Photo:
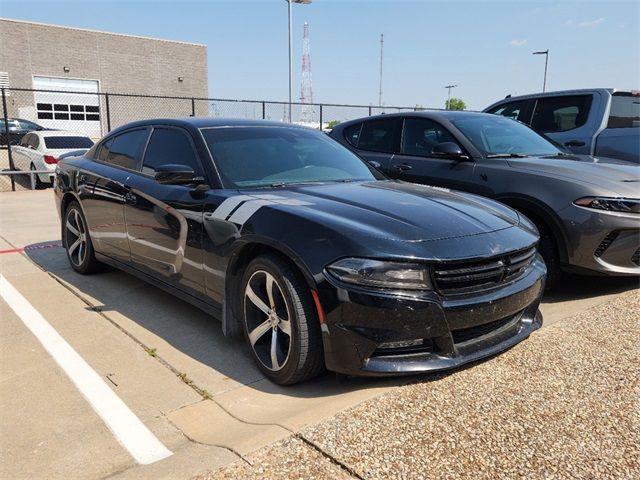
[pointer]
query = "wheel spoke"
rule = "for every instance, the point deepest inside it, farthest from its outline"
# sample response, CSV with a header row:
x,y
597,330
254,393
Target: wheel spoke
x,y
257,301
285,326
270,282
75,245
80,253
274,350
259,331
72,229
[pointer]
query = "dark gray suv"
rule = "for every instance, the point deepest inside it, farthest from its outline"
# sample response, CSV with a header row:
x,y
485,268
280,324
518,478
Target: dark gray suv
x,y
587,209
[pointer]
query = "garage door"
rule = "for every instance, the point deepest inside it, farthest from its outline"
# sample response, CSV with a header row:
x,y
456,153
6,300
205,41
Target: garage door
x,y
76,112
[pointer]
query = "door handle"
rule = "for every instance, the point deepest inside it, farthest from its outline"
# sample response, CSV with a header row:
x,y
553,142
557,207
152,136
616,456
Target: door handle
x,y
574,143
401,167
130,198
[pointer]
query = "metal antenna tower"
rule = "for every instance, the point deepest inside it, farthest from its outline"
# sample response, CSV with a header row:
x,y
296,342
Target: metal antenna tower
x,y
306,89
381,52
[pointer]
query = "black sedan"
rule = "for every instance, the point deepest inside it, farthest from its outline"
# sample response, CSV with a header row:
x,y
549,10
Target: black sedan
x,y
17,128
287,236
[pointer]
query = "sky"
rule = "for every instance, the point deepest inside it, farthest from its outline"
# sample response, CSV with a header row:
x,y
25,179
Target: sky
x,y
485,47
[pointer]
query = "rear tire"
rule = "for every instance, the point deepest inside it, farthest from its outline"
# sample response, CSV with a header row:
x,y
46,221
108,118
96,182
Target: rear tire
x,y
279,321
77,241
39,184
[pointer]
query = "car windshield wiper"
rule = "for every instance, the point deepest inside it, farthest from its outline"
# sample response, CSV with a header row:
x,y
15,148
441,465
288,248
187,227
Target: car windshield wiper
x,y
507,155
308,182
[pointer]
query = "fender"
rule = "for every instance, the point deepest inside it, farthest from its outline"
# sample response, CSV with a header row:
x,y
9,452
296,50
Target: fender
x,y
520,201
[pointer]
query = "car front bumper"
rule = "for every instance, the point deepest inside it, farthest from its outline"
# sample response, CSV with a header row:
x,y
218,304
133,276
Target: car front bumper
x,y
602,242
376,334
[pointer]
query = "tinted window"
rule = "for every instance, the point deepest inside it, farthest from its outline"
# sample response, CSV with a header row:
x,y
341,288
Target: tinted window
x,y
514,110
67,142
378,135
494,135
559,114
166,146
265,156
625,111
126,149
105,148
352,133
420,135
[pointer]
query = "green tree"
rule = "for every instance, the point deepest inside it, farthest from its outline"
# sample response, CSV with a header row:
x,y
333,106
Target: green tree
x,y
455,104
332,123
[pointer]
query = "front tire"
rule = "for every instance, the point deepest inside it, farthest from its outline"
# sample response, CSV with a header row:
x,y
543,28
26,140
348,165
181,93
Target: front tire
x,y
549,252
279,321
77,242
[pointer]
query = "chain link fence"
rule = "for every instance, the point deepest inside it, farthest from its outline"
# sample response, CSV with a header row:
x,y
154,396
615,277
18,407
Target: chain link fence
x,y
93,115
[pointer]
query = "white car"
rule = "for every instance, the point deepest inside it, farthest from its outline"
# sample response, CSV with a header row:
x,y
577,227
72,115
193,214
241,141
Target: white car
x,y
41,151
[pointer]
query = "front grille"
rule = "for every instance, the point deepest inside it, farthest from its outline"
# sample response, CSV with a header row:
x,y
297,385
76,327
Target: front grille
x,y
636,257
459,278
466,334
606,243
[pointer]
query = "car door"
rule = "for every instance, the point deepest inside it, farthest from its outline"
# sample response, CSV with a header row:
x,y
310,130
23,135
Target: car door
x,y
376,140
104,190
164,222
416,162
564,119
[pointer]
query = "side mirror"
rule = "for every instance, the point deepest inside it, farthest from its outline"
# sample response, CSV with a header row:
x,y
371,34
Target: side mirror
x,y
174,174
449,150
375,164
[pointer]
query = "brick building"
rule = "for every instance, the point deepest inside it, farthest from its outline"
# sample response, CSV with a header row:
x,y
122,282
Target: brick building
x,y
87,62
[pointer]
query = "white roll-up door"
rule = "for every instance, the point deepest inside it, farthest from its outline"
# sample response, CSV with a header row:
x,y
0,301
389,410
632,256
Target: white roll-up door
x,y
76,111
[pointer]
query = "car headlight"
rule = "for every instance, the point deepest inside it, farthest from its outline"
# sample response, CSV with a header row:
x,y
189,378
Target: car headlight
x,y
626,205
381,274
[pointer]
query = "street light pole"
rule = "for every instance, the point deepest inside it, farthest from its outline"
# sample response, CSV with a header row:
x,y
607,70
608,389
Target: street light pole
x,y
546,62
289,2
449,87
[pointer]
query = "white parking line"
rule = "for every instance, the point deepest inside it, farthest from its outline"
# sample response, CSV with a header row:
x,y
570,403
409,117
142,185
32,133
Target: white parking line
x,y
132,434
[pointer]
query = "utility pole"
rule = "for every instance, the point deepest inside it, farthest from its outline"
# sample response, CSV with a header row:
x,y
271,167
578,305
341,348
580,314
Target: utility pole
x,y
546,62
381,52
449,87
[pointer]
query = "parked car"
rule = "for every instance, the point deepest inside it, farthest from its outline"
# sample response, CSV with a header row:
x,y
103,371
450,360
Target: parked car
x,y
599,122
316,257
41,150
587,209
18,128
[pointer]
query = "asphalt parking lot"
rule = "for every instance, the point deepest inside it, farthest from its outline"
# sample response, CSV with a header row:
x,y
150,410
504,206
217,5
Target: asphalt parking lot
x,y
198,393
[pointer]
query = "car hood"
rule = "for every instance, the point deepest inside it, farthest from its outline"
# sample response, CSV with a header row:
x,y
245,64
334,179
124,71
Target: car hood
x,y
619,176
395,210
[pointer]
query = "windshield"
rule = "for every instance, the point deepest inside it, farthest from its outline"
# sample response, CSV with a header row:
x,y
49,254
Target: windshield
x,y
276,156
67,142
494,135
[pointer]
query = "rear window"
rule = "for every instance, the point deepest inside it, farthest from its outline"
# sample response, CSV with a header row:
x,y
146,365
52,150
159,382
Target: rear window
x,y
625,110
67,142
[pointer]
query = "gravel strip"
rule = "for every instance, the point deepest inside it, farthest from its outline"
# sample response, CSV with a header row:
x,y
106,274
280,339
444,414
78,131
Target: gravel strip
x,y
563,404
288,459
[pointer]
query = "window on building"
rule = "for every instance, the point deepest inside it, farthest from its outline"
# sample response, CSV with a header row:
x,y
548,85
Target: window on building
x,y
59,111
169,146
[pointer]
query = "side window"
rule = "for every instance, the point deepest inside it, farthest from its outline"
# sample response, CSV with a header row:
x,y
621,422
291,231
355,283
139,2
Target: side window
x,y
379,135
103,152
625,110
126,149
169,145
515,110
352,133
420,135
24,141
34,141
559,114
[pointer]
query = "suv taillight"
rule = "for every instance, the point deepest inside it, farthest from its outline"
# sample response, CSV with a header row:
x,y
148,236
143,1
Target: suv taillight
x,y
50,160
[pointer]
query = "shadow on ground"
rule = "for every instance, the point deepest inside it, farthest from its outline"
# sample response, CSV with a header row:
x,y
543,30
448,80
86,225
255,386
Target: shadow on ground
x,y
200,337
